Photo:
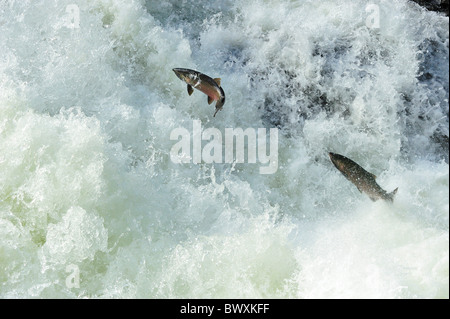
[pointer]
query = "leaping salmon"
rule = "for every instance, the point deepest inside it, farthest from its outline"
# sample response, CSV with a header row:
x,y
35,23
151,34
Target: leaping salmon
x,y
364,181
211,87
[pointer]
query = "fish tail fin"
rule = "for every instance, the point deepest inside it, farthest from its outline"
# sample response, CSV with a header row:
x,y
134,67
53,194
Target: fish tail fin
x,y
391,195
219,105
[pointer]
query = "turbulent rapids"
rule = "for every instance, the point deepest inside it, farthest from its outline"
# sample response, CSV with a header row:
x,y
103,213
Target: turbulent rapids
x,y
93,206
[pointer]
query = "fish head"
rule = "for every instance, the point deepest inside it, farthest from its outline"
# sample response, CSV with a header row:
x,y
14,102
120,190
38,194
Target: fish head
x,y
335,158
187,75
340,162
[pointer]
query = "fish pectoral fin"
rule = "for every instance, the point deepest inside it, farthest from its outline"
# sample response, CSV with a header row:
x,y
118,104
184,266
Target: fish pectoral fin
x,y
360,190
217,110
190,89
217,80
210,100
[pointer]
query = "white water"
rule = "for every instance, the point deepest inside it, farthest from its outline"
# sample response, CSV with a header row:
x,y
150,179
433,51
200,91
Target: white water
x,y
86,181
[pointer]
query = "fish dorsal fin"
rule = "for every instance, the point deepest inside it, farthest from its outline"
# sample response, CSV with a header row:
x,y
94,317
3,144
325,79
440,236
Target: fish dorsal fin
x,y
373,175
190,89
210,100
217,80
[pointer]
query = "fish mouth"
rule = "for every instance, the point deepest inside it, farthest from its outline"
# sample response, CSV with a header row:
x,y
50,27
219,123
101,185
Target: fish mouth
x,y
180,73
333,158
179,70
183,71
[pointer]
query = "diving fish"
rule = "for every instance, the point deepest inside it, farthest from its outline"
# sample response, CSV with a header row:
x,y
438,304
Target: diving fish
x,y
364,181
